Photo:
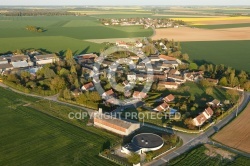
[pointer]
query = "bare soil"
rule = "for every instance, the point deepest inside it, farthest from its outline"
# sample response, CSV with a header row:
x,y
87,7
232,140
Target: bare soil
x,y
197,34
237,133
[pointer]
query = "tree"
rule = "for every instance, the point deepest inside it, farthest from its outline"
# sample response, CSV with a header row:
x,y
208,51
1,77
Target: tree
x,y
209,91
69,54
173,138
193,66
202,68
57,83
73,69
247,86
149,156
189,123
185,57
49,73
233,95
67,94
76,83
205,83
134,158
223,81
231,78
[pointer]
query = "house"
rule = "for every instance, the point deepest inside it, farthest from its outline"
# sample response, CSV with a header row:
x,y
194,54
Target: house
x,y
139,95
121,44
115,125
169,98
213,81
88,87
177,79
3,60
76,92
205,115
164,106
141,77
174,72
159,77
166,58
169,85
108,93
214,103
138,44
6,67
46,59
136,58
131,77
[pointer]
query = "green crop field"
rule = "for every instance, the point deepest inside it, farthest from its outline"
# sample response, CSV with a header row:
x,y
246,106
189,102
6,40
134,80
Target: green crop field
x,y
36,132
197,156
13,34
222,26
230,53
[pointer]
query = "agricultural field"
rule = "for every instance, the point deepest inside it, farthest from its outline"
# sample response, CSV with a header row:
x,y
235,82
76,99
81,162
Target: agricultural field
x,y
236,134
230,53
65,32
37,132
208,155
197,34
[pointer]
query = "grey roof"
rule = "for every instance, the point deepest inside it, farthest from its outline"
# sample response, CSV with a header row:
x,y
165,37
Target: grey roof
x,y
114,121
20,64
5,66
147,140
16,58
131,147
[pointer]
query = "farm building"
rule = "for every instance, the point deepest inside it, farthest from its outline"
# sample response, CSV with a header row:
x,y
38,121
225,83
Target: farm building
x,y
115,125
45,59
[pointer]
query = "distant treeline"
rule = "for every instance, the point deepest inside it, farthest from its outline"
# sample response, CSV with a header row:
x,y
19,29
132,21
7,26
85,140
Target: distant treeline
x,y
48,12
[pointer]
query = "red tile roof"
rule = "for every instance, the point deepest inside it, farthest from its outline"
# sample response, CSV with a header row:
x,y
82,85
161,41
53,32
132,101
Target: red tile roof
x,y
138,94
165,57
88,85
162,107
109,92
169,98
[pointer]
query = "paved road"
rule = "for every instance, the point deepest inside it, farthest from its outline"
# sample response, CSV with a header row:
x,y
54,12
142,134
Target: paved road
x,y
203,137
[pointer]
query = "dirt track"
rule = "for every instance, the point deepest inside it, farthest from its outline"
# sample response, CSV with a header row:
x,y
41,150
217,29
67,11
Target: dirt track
x,y
196,34
237,133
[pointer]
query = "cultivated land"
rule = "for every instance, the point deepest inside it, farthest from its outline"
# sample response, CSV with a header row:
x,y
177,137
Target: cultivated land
x,y
230,53
33,133
196,34
237,133
208,155
62,32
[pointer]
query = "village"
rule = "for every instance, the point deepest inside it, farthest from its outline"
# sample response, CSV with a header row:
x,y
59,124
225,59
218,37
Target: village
x,y
145,22
167,78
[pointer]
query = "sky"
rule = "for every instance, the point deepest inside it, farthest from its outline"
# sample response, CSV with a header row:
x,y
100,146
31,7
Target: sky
x,y
123,2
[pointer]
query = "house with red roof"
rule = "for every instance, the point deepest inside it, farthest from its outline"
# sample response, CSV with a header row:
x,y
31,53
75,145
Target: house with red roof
x,y
205,115
88,87
139,95
169,98
163,107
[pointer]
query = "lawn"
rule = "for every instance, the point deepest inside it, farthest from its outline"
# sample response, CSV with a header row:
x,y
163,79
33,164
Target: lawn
x,y
230,53
29,136
197,156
